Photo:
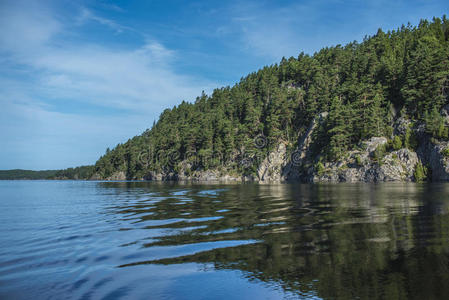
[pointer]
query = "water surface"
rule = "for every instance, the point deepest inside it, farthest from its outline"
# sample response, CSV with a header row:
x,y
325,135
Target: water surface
x,y
140,240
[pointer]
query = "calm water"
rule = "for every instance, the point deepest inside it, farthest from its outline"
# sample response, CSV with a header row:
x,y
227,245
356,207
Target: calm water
x,y
137,240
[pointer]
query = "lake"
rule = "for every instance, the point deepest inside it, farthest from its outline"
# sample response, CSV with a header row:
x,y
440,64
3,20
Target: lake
x,y
142,240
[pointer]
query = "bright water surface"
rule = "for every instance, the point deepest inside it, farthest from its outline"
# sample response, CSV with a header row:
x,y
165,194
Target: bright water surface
x,y
139,240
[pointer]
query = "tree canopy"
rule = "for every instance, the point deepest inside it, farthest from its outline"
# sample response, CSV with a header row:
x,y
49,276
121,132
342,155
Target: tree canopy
x,y
363,86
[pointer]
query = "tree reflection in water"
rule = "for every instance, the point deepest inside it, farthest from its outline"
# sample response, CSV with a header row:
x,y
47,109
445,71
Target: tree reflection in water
x,y
338,241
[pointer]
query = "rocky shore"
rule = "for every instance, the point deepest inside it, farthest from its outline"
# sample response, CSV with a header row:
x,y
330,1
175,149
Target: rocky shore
x,y
364,164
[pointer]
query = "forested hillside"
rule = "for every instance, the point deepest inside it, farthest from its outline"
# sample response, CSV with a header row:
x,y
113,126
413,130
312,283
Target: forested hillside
x,y
19,174
82,172
365,87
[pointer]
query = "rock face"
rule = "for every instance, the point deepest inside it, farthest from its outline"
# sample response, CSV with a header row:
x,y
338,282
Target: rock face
x,y
271,167
208,175
372,144
370,162
293,167
117,176
400,126
438,161
359,166
356,166
399,166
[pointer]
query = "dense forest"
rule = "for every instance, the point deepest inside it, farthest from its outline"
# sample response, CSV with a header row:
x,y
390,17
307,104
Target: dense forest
x,y
363,87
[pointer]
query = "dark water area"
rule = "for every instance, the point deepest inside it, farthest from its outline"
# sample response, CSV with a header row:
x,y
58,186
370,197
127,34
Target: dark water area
x,y
141,240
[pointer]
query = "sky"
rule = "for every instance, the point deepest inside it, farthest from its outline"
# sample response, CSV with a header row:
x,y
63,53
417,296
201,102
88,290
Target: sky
x,y
77,77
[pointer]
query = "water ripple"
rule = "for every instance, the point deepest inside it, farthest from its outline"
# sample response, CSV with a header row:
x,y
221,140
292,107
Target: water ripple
x,y
114,240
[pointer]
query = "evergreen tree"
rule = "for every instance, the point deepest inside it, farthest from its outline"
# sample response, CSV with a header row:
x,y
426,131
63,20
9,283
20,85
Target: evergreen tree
x,y
338,128
360,85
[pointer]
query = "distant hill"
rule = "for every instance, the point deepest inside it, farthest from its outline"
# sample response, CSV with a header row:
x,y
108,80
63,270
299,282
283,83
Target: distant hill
x,y
26,174
83,172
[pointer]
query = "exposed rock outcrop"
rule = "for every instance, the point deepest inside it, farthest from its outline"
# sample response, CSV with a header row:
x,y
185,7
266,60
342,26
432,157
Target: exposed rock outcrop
x,y
120,175
436,157
293,168
371,161
271,167
359,165
208,175
398,166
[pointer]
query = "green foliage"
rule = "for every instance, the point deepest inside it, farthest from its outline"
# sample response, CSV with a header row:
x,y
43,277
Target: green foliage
x,y
410,140
338,130
421,172
436,124
379,153
319,167
18,174
445,152
426,76
397,143
359,85
388,131
83,172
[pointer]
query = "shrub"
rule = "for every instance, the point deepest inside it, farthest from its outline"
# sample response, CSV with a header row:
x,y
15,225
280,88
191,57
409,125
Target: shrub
x,y
319,167
410,140
445,152
379,153
436,125
420,173
389,131
397,143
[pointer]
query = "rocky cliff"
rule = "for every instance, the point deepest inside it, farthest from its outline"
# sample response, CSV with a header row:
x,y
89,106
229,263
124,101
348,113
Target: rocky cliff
x,y
373,161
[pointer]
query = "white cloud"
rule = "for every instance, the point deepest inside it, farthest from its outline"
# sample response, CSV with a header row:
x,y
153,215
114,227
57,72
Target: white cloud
x,y
23,30
42,71
133,79
140,78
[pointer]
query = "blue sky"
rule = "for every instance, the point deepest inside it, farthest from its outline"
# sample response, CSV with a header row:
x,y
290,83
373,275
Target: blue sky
x,y
77,77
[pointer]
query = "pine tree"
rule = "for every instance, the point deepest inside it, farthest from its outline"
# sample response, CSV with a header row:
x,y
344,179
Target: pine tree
x,y
436,124
375,122
338,128
427,76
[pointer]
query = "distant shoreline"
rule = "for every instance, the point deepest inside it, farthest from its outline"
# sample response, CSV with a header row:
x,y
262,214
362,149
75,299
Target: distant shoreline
x,y
78,173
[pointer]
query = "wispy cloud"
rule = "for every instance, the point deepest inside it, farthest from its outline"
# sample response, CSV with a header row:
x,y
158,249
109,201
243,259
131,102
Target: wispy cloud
x,y
87,15
24,30
287,28
135,78
45,70
76,75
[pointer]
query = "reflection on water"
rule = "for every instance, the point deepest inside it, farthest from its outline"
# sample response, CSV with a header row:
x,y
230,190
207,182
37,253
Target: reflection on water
x,y
164,240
